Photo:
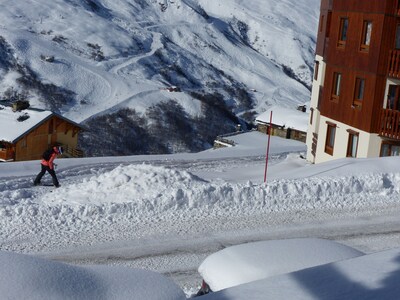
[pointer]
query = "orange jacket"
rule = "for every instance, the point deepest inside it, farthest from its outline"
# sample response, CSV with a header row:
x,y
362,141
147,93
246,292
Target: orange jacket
x,y
50,163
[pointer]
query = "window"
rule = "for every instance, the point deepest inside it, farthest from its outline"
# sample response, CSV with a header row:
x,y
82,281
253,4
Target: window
x,y
366,36
321,23
388,149
359,92
23,143
395,150
51,127
316,70
328,24
352,144
393,101
311,115
320,91
330,138
344,25
398,37
385,150
337,80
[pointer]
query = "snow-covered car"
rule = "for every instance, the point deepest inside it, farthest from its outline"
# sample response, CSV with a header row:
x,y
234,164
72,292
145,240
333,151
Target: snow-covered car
x,y
249,262
370,276
28,277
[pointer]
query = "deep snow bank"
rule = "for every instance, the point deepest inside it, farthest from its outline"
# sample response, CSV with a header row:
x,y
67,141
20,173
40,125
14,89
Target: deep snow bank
x,y
135,192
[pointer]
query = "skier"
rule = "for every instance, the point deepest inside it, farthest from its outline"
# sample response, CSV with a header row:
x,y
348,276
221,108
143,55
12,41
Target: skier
x,y
47,165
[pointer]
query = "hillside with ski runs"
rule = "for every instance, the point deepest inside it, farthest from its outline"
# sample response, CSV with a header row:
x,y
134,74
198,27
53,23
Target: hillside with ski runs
x,y
112,65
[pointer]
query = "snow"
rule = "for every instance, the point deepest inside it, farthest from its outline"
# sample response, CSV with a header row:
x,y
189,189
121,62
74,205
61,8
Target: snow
x,y
373,276
28,277
249,262
12,129
167,213
130,34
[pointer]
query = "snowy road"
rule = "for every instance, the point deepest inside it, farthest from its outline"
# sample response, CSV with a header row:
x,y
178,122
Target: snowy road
x,y
179,256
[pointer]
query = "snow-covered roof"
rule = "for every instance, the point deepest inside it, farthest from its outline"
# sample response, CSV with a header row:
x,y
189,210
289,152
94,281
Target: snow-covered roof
x,y
245,263
289,118
14,125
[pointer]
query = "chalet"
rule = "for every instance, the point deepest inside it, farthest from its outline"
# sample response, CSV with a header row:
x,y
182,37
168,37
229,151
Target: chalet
x,y
286,123
355,100
173,89
25,134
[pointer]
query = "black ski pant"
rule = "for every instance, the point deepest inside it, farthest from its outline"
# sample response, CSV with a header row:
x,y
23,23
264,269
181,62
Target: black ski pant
x,y
43,171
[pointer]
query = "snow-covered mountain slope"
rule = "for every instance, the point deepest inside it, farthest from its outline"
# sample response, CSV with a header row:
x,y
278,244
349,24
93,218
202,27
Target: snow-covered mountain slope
x,y
92,58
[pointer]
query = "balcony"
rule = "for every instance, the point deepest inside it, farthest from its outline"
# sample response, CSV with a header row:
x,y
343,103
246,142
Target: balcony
x,y
390,124
72,152
394,63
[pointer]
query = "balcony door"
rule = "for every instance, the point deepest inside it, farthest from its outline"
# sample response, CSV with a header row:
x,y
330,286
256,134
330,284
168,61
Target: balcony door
x,y
393,97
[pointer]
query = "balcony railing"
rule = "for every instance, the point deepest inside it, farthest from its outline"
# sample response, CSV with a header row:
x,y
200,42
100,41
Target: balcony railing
x,y
72,152
390,124
394,63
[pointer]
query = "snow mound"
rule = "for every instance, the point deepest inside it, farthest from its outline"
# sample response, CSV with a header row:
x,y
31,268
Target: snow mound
x,y
28,277
141,185
142,191
155,188
253,261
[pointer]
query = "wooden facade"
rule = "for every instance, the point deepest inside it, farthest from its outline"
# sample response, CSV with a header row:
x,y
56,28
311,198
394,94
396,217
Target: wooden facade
x,y
324,27
356,84
374,63
7,151
54,130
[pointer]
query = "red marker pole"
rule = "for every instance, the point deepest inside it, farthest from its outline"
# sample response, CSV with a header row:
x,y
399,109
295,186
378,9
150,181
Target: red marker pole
x,y
269,139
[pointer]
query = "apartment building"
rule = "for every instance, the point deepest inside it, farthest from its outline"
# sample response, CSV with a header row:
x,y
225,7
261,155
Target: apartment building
x,y
355,100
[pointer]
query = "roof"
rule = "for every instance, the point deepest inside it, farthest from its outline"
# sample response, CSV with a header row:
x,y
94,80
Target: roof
x,y
11,129
289,118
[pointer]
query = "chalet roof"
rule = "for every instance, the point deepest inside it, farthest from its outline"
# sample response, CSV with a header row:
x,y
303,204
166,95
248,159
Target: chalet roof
x,y
14,125
289,118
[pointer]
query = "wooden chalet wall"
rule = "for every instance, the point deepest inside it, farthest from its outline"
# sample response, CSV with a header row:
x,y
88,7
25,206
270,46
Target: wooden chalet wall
x,y
351,62
287,133
324,27
51,132
7,151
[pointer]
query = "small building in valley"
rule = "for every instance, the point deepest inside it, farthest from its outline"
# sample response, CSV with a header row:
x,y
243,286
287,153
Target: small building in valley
x,y
286,123
25,134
